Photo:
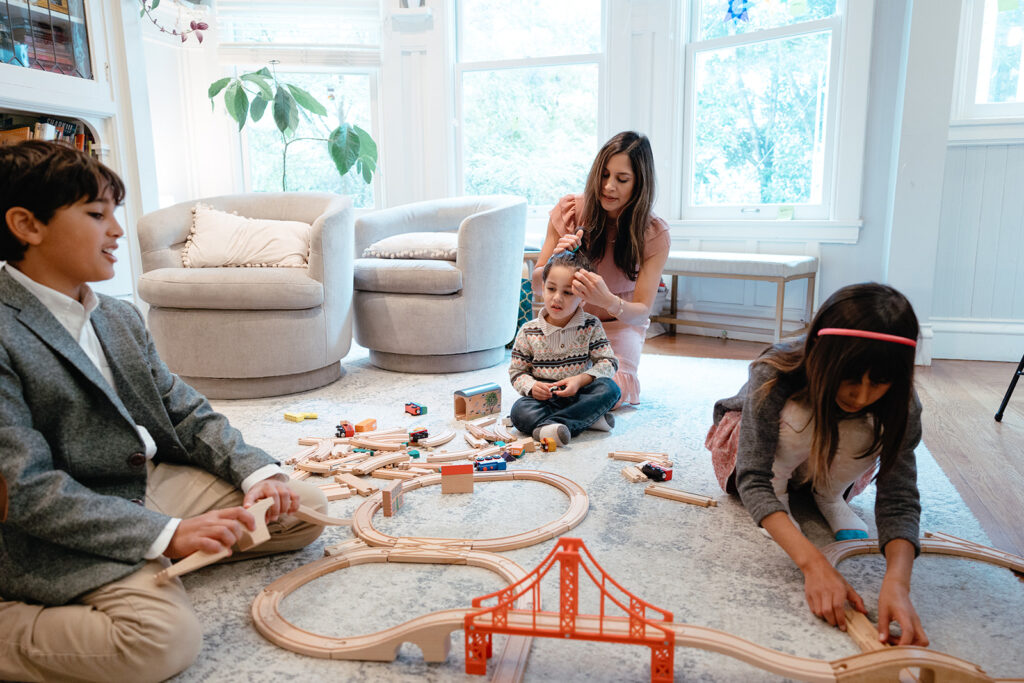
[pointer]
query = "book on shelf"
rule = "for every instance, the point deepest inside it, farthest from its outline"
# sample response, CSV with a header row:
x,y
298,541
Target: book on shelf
x,y
13,135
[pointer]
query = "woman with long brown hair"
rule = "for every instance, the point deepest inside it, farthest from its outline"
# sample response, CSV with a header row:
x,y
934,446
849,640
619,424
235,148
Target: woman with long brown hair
x,y
613,224
825,411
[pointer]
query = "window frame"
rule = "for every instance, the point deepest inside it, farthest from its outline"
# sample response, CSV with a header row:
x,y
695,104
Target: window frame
x,y
535,213
842,180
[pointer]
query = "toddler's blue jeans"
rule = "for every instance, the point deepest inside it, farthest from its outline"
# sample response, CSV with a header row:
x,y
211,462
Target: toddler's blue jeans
x,y
575,412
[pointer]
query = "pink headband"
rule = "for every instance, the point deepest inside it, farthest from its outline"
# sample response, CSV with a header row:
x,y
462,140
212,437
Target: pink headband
x,y
880,336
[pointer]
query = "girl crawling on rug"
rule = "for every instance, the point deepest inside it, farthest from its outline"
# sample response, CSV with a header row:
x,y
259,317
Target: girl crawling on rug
x,y
826,410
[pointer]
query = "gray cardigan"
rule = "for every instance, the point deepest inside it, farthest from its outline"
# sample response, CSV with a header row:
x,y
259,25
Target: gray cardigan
x,y
72,464
897,503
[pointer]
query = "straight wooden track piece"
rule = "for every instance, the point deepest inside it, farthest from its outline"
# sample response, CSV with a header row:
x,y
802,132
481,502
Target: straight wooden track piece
x,y
474,441
375,445
260,534
335,491
404,475
481,421
662,491
299,475
299,456
633,473
450,457
353,482
638,456
862,631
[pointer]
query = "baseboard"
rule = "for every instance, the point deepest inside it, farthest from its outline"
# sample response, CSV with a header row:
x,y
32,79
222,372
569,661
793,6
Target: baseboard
x,y
978,339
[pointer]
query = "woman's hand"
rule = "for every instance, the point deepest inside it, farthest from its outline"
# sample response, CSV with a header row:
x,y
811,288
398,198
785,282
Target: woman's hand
x,y
568,242
211,532
541,391
285,502
828,592
592,288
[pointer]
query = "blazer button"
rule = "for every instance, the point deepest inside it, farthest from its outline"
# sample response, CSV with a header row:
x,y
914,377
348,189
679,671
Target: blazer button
x,y
137,459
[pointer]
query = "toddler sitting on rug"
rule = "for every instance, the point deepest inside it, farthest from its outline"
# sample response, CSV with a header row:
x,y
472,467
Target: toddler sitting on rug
x,y
562,362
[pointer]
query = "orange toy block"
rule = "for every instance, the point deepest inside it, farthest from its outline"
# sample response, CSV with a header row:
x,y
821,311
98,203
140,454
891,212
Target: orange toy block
x,y
367,425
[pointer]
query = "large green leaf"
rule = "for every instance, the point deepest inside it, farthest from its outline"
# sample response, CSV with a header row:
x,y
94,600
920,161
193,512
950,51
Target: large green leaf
x,y
306,101
366,163
237,103
216,87
260,82
366,167
257,107
286,112
343,146
156,3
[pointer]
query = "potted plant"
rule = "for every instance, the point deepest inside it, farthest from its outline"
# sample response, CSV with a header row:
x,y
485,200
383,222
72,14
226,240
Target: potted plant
x,y
248,96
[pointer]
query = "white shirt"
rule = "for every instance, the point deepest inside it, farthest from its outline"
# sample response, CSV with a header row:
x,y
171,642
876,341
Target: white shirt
x,y
74,316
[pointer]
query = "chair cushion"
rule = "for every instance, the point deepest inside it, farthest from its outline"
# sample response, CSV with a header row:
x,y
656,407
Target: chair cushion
x,y
443,246
728,263
407,276
231,288
219,239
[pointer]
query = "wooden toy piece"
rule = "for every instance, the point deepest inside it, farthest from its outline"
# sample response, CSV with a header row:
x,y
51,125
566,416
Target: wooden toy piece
x,y
302,455
457,479
260,534
299,475
358,485
367,425
474,441
295,417
632,473
526,443
478,401
503,433
195,561
450,457
308,514
415,408
548,444
418,434
393,474
391,498
309,416
439,438
862,631
662,491
638,456
375,445
345,429
335,491
656,470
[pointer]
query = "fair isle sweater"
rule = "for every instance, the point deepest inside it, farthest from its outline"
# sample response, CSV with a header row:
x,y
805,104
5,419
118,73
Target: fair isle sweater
x,y
545,353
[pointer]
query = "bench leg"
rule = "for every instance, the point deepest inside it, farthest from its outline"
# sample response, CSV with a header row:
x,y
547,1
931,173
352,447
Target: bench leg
x,y
809,311
672,305
780,299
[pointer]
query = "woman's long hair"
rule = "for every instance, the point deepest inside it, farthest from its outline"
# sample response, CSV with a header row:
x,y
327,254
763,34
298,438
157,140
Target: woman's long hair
x,y
822,363
628,250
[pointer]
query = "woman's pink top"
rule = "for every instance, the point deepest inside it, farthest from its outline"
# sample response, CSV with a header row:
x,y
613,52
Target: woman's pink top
x,y
627,340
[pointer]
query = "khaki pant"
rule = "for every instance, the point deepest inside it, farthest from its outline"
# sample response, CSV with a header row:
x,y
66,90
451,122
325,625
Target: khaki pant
x,y
133,629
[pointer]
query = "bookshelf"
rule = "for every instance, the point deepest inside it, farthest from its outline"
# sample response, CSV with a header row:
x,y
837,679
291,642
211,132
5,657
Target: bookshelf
x,y
76,62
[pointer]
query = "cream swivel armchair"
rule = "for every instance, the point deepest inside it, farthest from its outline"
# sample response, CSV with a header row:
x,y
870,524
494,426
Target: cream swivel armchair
x,y
436,315
250,332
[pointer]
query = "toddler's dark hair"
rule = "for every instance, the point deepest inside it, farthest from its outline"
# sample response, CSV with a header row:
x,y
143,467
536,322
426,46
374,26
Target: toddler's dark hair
x,y
577,260
44,177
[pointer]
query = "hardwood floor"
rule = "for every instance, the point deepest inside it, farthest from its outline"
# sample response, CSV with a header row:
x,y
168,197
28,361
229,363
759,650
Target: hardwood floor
x,y
984,459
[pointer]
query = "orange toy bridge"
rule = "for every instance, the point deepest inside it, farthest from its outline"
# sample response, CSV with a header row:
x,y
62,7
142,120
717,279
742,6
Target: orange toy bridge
x,y
634,626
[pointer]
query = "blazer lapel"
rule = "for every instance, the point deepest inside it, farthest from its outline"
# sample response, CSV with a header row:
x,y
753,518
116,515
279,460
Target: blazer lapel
x,y
38,319
126,367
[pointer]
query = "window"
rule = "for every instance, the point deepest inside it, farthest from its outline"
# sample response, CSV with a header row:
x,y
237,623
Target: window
x,y
991,57
764,83
528,76
331,49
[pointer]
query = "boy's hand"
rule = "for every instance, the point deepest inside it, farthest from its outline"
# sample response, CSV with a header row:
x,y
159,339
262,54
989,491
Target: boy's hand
x,y
571,385
285,500
541,391
211,531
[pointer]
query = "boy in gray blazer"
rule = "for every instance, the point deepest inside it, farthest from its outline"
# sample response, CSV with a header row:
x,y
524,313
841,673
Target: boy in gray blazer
x,y
109,463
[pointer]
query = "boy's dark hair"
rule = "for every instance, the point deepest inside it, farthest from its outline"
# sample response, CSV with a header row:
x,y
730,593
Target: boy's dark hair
x,y
44,177
576,260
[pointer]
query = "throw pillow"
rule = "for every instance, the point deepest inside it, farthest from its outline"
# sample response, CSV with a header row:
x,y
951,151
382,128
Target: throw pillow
x,y
437,246
220,239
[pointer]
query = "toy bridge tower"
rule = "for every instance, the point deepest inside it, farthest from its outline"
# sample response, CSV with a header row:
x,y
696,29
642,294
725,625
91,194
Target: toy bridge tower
x,y
633,626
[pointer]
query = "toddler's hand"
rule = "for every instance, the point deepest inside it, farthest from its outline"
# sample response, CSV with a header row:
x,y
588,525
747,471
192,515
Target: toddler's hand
x,y
541,391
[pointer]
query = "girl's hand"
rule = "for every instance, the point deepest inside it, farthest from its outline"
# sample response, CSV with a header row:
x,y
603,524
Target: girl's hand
x,y
827,592
541,391
592,288
211,531
568,242
894,605
285,500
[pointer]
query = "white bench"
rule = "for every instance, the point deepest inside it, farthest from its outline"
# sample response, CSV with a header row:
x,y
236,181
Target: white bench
x,y
776,268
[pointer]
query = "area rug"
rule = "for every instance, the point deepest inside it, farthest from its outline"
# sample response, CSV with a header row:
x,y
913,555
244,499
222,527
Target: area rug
x,y
709,566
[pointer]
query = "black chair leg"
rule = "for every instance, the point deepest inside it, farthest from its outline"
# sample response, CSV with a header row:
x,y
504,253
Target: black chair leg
x,y
1013,383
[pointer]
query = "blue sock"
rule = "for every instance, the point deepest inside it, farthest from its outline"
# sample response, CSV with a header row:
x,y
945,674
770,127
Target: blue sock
x,y
850,534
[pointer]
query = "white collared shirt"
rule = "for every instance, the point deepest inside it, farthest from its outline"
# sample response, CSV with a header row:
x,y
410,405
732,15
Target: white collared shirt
x,y
73,316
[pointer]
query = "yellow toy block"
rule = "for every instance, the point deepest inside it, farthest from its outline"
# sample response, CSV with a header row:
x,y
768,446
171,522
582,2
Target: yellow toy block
x,y
309,416
295,417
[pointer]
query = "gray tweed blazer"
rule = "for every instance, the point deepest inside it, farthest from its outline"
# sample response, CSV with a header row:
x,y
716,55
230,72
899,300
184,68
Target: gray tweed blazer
x,y
72,465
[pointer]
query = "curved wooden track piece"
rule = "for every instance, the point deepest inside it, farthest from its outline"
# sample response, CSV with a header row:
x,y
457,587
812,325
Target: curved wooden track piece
x,y
579,503
439,439
308,514
936,543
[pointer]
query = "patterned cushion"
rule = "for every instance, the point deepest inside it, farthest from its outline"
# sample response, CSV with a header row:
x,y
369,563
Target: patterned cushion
x,y
439,246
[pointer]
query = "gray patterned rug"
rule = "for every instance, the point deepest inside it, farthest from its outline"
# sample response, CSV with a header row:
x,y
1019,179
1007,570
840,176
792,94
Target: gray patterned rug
x,y
709,566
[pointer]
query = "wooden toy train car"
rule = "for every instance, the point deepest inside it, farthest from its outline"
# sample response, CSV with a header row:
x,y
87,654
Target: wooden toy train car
x,y
415,408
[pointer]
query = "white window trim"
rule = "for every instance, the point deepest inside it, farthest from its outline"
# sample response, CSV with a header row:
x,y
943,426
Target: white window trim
x,y
971,123
841,221
535,214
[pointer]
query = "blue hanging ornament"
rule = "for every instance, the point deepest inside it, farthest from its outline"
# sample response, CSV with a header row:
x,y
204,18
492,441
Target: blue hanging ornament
x,y
737,9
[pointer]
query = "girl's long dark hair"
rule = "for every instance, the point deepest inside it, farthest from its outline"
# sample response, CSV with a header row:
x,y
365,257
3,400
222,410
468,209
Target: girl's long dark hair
x,y
632,222
821,363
